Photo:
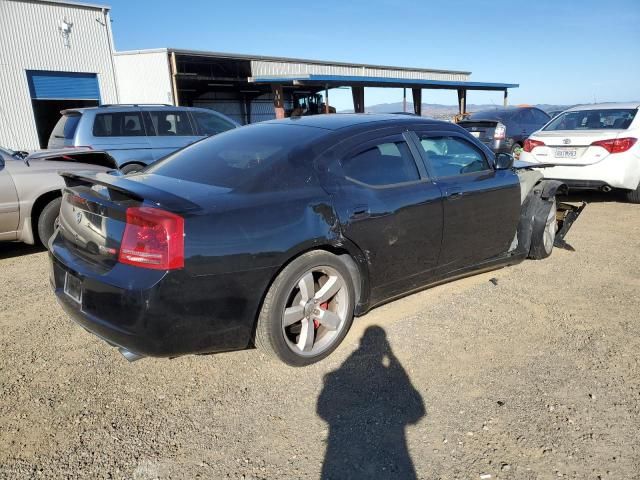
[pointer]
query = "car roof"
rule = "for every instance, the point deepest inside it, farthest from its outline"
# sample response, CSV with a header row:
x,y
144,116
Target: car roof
x,y
339,121
605,106
124,108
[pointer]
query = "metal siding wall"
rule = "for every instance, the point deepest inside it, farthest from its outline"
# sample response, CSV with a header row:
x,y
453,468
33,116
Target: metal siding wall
x,y
144,77
30,40
268,68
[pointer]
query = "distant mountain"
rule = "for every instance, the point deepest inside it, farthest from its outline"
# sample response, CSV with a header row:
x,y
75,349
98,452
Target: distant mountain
x,y
437,110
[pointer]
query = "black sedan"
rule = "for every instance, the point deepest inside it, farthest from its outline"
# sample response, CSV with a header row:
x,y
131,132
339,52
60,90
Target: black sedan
x,y
277,234
504,130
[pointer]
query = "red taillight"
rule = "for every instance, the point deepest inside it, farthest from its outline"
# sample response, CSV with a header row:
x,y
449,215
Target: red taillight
x,y
153,238
500,132
616,145
531,144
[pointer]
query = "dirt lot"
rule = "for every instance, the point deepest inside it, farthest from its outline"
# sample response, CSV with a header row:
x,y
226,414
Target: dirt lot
x,y
536,377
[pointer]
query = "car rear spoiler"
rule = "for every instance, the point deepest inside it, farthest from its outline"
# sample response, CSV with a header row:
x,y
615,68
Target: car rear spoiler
x,y
92,157
130,188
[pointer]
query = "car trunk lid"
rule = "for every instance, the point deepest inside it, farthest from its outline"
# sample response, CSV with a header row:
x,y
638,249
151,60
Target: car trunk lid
x,y
573,147
483,130
93,214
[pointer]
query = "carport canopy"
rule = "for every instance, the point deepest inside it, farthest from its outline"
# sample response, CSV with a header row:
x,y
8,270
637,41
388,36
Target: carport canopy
x,y
357,84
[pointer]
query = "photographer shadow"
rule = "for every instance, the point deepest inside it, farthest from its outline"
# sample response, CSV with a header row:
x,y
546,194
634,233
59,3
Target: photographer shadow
x,y
368,402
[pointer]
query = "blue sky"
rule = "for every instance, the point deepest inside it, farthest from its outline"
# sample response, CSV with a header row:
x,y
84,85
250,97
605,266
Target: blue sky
x,y
561,52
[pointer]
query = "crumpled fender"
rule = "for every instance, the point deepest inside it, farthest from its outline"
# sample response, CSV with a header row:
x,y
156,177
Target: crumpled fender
x,y
551,187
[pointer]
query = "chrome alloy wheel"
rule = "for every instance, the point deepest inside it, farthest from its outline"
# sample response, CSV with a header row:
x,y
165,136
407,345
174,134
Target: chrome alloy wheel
x,y
315,312
550,229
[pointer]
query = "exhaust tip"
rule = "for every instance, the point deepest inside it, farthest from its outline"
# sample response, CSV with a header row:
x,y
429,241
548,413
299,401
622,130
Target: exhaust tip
x,y
130,356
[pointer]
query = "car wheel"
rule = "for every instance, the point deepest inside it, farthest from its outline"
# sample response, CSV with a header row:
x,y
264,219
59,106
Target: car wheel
x,y
48,220
131,168
516,150
308,310
634,195
545,227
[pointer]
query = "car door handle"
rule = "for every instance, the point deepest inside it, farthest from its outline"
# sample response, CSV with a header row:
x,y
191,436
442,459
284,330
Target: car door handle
x,y
454,194
360,211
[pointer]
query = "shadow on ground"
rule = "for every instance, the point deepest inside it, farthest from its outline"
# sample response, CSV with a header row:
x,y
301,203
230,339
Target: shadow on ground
x,y
15,249
593,197
368,402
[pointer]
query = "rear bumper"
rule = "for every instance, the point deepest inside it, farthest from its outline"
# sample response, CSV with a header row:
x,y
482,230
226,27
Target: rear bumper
x,y
159,314
615,171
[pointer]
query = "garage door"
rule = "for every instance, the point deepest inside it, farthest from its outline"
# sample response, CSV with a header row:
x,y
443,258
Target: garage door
x,y
45,85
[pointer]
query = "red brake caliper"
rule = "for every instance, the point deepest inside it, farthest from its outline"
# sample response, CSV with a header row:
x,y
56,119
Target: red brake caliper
x,y
323,306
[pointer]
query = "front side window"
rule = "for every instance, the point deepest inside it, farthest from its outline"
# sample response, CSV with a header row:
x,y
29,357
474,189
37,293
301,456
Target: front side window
x,y
450,156
387,163
171,123
593,120
211,124
118,124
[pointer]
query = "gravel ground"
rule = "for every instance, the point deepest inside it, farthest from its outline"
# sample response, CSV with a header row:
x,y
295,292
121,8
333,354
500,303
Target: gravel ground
x,y
534,375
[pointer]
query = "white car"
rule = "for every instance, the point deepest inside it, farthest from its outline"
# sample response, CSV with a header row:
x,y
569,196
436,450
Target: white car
x,y
594,147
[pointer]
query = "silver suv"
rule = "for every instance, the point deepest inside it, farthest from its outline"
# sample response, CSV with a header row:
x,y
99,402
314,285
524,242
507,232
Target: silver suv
x,y
136,135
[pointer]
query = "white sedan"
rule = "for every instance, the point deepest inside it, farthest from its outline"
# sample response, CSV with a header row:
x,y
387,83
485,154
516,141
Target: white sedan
x,y
591,147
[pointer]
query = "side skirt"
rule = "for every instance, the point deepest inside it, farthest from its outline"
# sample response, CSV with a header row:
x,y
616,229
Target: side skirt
x,y
486,266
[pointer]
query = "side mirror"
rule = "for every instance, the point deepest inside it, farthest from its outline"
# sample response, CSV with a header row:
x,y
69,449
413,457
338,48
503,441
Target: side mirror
x,y
504,161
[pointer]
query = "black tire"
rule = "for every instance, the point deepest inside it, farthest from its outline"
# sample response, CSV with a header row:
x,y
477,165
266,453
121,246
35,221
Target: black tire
x,y
634,195
47,220
545,227
132,168
270,337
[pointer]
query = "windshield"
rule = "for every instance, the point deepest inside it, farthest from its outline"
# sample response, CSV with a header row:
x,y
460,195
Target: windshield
x,y
6,151
609,119
257,157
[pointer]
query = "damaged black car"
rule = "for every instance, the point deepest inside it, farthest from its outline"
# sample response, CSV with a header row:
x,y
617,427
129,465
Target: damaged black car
x,y
277,234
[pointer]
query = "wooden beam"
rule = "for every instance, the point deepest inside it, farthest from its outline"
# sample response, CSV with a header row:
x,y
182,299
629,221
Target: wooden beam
x,y
506,97
278,100
358,99
417,101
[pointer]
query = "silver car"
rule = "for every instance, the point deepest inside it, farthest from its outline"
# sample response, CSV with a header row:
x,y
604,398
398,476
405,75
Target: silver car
x,y
136,135
30,189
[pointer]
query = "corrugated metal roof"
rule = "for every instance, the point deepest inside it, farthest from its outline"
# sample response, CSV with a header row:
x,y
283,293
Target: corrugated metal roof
x,y
242,56
337,80
71,3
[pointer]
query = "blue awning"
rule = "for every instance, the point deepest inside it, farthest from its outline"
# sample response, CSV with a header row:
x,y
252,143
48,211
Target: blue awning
x,y
47,85
340,81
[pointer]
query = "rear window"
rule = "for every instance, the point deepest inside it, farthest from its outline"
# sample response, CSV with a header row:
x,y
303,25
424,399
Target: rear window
x,y
257,158
118,124
66,126
608,119
487,115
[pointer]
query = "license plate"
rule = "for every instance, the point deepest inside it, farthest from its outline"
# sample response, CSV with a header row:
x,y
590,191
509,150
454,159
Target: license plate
x,y
566,153
73,287
476,134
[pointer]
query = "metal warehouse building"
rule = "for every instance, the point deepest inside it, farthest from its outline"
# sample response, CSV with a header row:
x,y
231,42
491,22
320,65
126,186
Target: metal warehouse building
x,y
53,55
57,54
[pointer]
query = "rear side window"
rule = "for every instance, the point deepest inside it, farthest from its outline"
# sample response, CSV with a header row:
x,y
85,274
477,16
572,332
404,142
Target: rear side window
x,y
609,119
451,156
171,123
383,164
540,117
118,124
66,126
253,158
210,124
